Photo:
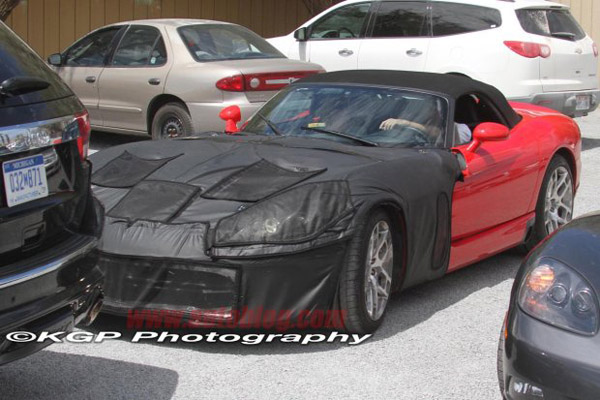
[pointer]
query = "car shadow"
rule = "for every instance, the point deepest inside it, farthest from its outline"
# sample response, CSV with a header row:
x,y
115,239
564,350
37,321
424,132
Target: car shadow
x,y
101,140
589,144
51,375
406,310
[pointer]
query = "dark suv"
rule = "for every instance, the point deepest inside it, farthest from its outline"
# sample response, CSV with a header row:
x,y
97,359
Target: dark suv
x,y
49,221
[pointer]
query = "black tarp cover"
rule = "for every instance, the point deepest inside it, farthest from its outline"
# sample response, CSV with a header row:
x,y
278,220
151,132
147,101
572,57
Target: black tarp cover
x,y
185,189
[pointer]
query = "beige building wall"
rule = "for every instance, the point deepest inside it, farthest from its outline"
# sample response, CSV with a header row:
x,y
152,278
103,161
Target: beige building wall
x,y
49,26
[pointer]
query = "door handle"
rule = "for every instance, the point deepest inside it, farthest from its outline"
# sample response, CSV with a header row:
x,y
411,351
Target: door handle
x,y
90,79
154,81
414,52
345,53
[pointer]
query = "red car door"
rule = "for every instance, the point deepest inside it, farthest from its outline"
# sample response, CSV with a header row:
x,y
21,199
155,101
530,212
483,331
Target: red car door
x,y
493,205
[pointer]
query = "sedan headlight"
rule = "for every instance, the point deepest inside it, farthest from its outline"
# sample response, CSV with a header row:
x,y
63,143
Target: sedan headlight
x,y
296,215
554,293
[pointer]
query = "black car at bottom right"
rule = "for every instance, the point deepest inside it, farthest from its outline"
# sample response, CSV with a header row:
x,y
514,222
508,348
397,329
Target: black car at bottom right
x,y
549,346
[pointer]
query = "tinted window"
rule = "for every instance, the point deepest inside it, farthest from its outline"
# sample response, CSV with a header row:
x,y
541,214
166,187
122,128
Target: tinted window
x,y
16,59
401,19
454,19
92,50
140,46
343,23
550,23
225,42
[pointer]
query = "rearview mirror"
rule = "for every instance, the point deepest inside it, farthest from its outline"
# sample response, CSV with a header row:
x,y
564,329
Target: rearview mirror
x,y
301,34
488,132
55,59
231,115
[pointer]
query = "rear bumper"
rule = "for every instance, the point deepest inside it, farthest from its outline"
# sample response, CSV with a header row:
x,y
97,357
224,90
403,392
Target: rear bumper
x,y
51,292
563,365
564,102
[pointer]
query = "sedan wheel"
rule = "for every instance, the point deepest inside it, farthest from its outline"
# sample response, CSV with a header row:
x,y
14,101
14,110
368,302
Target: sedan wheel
x,y
378,271
171,121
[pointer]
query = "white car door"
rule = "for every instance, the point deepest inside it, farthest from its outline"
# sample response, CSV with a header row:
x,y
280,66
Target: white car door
x,y
399,39
334,40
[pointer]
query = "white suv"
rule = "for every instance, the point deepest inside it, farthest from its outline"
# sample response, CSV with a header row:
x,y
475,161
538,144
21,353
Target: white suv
x,y
532,50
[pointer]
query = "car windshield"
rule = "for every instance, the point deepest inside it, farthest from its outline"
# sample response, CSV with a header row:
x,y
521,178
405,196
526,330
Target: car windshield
x,y
376,116
218,42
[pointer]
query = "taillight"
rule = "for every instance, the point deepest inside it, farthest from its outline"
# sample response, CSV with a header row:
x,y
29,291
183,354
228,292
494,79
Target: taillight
x,y
528,49
85,129
595,47
261,82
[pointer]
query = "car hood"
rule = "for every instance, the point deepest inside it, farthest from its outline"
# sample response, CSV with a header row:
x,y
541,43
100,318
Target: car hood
x,y
228,171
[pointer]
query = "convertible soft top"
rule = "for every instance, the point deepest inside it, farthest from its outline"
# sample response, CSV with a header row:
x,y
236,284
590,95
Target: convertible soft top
x,y
453,86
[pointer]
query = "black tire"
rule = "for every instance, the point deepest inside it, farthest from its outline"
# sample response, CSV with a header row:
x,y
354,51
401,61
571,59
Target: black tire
x,y
539,231
352,297
171,120
500,364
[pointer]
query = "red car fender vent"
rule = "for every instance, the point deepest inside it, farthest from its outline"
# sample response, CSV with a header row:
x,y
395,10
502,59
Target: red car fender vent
x,y
529,49
85,130
268,81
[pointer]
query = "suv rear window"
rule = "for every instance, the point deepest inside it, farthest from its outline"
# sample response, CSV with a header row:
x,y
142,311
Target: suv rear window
x,y
454,19
550,22
221,42
16,59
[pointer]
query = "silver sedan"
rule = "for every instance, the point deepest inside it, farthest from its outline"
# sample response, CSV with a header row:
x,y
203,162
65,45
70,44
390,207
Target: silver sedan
x,y
171,77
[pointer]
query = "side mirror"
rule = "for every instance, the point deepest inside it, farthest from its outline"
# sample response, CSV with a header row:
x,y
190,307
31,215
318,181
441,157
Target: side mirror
x,y
301,34
55,59
231,115
488,132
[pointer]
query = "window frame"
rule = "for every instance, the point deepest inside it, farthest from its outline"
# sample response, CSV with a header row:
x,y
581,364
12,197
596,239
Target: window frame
x,y
375,11
116,46
116,39
549,34
363,29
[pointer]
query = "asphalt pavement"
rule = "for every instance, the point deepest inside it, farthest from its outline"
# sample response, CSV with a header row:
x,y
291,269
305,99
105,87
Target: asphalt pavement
x,y
438,342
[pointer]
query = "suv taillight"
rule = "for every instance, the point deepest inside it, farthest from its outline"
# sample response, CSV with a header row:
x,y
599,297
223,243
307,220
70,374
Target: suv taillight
x,y
595,47
85,129
528,49
261,82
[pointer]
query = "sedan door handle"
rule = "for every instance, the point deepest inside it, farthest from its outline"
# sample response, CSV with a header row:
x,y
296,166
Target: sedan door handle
x,y
414,52
345,53
90,79
154,81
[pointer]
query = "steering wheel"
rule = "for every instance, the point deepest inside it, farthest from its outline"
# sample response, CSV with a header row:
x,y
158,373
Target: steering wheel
x,y
347,30
420,137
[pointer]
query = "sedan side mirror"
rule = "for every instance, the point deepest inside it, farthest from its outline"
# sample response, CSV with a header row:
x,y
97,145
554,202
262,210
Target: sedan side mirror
x,y
301,34
488,132
231,115
55,59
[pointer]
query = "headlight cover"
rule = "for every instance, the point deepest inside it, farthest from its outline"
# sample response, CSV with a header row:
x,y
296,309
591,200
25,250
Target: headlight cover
x,y
293,216
557,295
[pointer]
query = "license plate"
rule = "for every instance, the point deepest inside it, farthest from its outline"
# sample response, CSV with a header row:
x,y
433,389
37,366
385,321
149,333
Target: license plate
x,y
583,102
24,180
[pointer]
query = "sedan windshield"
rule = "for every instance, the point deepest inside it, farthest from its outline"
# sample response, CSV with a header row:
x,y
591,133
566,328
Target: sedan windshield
x,y
359,115
218,42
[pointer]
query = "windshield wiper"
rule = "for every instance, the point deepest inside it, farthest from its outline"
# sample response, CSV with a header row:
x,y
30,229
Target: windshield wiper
x,y
362,141
271,124
18,85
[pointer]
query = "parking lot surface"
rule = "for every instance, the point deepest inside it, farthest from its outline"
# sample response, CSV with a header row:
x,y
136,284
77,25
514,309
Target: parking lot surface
x,y
438,342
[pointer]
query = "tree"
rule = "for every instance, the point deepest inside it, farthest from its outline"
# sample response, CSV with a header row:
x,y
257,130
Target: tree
x,y
6,6
316,6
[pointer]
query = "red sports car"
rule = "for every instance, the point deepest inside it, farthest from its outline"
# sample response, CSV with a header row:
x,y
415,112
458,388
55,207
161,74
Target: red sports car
x,y
344,187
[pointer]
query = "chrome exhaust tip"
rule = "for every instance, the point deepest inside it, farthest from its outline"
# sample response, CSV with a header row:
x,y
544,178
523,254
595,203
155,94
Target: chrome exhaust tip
x,y
94,311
